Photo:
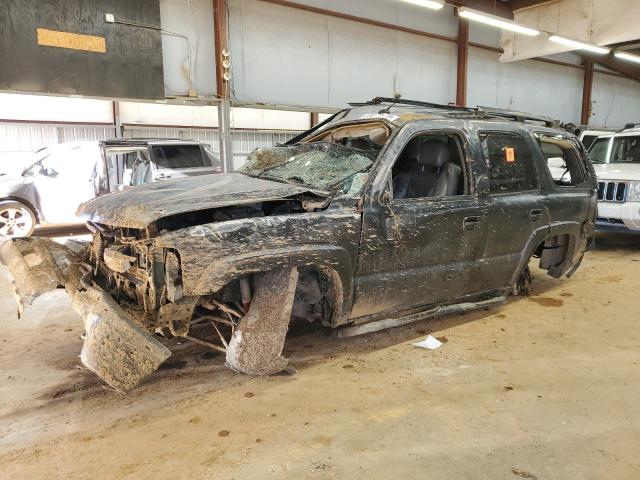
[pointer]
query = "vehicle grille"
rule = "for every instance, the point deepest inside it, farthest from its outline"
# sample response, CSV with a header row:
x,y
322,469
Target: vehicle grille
x,y
612,191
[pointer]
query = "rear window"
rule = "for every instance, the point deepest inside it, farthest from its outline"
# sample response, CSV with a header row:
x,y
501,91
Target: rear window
x,y
178,156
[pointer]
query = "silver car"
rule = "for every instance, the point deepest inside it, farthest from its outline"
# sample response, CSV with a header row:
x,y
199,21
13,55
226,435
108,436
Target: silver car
x,y
63,176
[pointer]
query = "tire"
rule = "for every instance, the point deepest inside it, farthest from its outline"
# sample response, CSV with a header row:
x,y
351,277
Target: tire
x,y
16,220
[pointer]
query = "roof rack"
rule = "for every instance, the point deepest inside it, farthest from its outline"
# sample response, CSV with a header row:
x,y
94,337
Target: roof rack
x,y
479,111
630,125
402,101
520,116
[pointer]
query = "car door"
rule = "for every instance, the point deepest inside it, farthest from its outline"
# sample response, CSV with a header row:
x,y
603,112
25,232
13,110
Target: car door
x,y
422,250
66,180
571,199
517,208
179,160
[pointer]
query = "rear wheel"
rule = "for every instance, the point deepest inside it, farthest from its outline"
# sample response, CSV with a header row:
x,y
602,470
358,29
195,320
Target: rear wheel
x,y
16,220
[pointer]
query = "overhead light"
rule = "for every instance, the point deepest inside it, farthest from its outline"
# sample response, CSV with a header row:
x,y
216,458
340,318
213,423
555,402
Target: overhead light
x,y
627,56
579,45
495,21
432,4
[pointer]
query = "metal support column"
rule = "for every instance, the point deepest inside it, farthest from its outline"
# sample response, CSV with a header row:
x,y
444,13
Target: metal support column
x,y
463,56
587,87
222,80
116,119
224,129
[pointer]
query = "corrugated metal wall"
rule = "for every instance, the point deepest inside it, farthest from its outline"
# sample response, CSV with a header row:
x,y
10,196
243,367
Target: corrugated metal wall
x,y
29,137
19,140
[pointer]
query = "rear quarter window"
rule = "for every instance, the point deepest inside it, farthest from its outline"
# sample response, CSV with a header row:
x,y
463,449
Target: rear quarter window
x,y
178,156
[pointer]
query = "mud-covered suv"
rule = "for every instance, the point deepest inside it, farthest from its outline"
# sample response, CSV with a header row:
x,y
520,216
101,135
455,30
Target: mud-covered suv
x,y
389,212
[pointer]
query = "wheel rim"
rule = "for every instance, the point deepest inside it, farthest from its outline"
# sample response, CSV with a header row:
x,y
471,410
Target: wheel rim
x,y
15,222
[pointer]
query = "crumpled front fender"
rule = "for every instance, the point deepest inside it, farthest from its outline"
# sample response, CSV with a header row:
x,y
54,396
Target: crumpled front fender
x,y
115,348
37,265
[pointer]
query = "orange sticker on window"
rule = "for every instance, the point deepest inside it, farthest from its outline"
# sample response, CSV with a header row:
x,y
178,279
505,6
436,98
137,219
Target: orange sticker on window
x,y
509,154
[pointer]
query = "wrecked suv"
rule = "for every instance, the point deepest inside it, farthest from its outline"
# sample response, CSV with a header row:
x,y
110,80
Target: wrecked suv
x,y
388,212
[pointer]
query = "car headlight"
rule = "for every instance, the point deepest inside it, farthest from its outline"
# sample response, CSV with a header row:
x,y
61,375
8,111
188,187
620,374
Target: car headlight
x,y
634,192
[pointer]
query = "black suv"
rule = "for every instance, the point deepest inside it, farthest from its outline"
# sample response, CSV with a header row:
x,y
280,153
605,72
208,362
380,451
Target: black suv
x,y
388,212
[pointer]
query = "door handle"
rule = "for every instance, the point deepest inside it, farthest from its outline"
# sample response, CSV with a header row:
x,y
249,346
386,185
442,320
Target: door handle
x,y
471,223
535,215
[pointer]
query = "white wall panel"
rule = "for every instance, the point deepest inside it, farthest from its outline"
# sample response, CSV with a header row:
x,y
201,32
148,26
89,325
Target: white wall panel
x,y
527,86
194,20
163,114
616,101
279,55
285,56
16,106
395,12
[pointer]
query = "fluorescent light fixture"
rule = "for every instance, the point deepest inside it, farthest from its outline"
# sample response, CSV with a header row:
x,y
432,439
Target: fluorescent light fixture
x,y
494,21
432,4
627,56
579,45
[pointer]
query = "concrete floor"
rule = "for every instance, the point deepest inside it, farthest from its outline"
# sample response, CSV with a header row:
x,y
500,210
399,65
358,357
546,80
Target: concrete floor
x,y
544,387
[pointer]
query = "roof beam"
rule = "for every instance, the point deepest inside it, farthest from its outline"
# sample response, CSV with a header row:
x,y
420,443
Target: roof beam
x,y
609,61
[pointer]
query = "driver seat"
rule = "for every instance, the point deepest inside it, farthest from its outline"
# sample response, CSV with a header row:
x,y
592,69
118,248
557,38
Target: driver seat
x,y
435,174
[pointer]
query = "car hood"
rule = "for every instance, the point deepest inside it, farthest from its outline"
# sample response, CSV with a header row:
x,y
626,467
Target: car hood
x,y
138,207
617,171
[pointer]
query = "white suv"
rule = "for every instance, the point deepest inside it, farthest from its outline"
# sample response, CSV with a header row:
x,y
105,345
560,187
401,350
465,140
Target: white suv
x,y
616,160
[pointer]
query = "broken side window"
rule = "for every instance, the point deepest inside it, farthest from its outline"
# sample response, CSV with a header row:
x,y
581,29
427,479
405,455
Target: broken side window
x,y
509,161
563,160
430,165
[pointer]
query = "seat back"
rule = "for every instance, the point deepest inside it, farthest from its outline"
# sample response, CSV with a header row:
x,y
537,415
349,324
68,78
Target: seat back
x,y
427,171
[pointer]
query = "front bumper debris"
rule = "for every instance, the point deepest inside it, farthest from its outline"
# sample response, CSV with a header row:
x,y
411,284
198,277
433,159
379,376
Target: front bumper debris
x,y
115,348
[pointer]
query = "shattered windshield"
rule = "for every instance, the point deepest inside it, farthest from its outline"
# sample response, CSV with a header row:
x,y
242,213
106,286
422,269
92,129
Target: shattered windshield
x,y
320,165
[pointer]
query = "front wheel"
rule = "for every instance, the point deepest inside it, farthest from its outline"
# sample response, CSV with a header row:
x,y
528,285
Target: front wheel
x,y
16,220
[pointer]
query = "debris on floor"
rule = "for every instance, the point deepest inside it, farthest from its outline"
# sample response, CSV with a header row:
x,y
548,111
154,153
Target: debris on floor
x,y
430,343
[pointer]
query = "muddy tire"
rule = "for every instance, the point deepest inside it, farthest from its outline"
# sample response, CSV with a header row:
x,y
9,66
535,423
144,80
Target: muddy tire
x,y
16,220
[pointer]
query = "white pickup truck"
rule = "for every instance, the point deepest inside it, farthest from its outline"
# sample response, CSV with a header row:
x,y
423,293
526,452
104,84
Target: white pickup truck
x,y
616,160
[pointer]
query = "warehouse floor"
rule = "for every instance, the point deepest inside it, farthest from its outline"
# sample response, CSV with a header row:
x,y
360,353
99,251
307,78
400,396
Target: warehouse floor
x,y
544,387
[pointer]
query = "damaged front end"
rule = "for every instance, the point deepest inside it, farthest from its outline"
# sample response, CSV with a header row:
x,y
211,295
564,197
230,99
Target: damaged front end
x,y
116,348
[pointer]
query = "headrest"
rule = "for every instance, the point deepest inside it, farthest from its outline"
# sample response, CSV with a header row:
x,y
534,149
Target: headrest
x,y
433,154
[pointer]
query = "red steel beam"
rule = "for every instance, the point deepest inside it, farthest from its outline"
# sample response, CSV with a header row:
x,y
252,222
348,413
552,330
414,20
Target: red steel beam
x,y
221,42
587,87
463,58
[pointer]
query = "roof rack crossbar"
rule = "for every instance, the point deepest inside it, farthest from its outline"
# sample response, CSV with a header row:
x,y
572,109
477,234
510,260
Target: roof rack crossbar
x,y
519,116
402,101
